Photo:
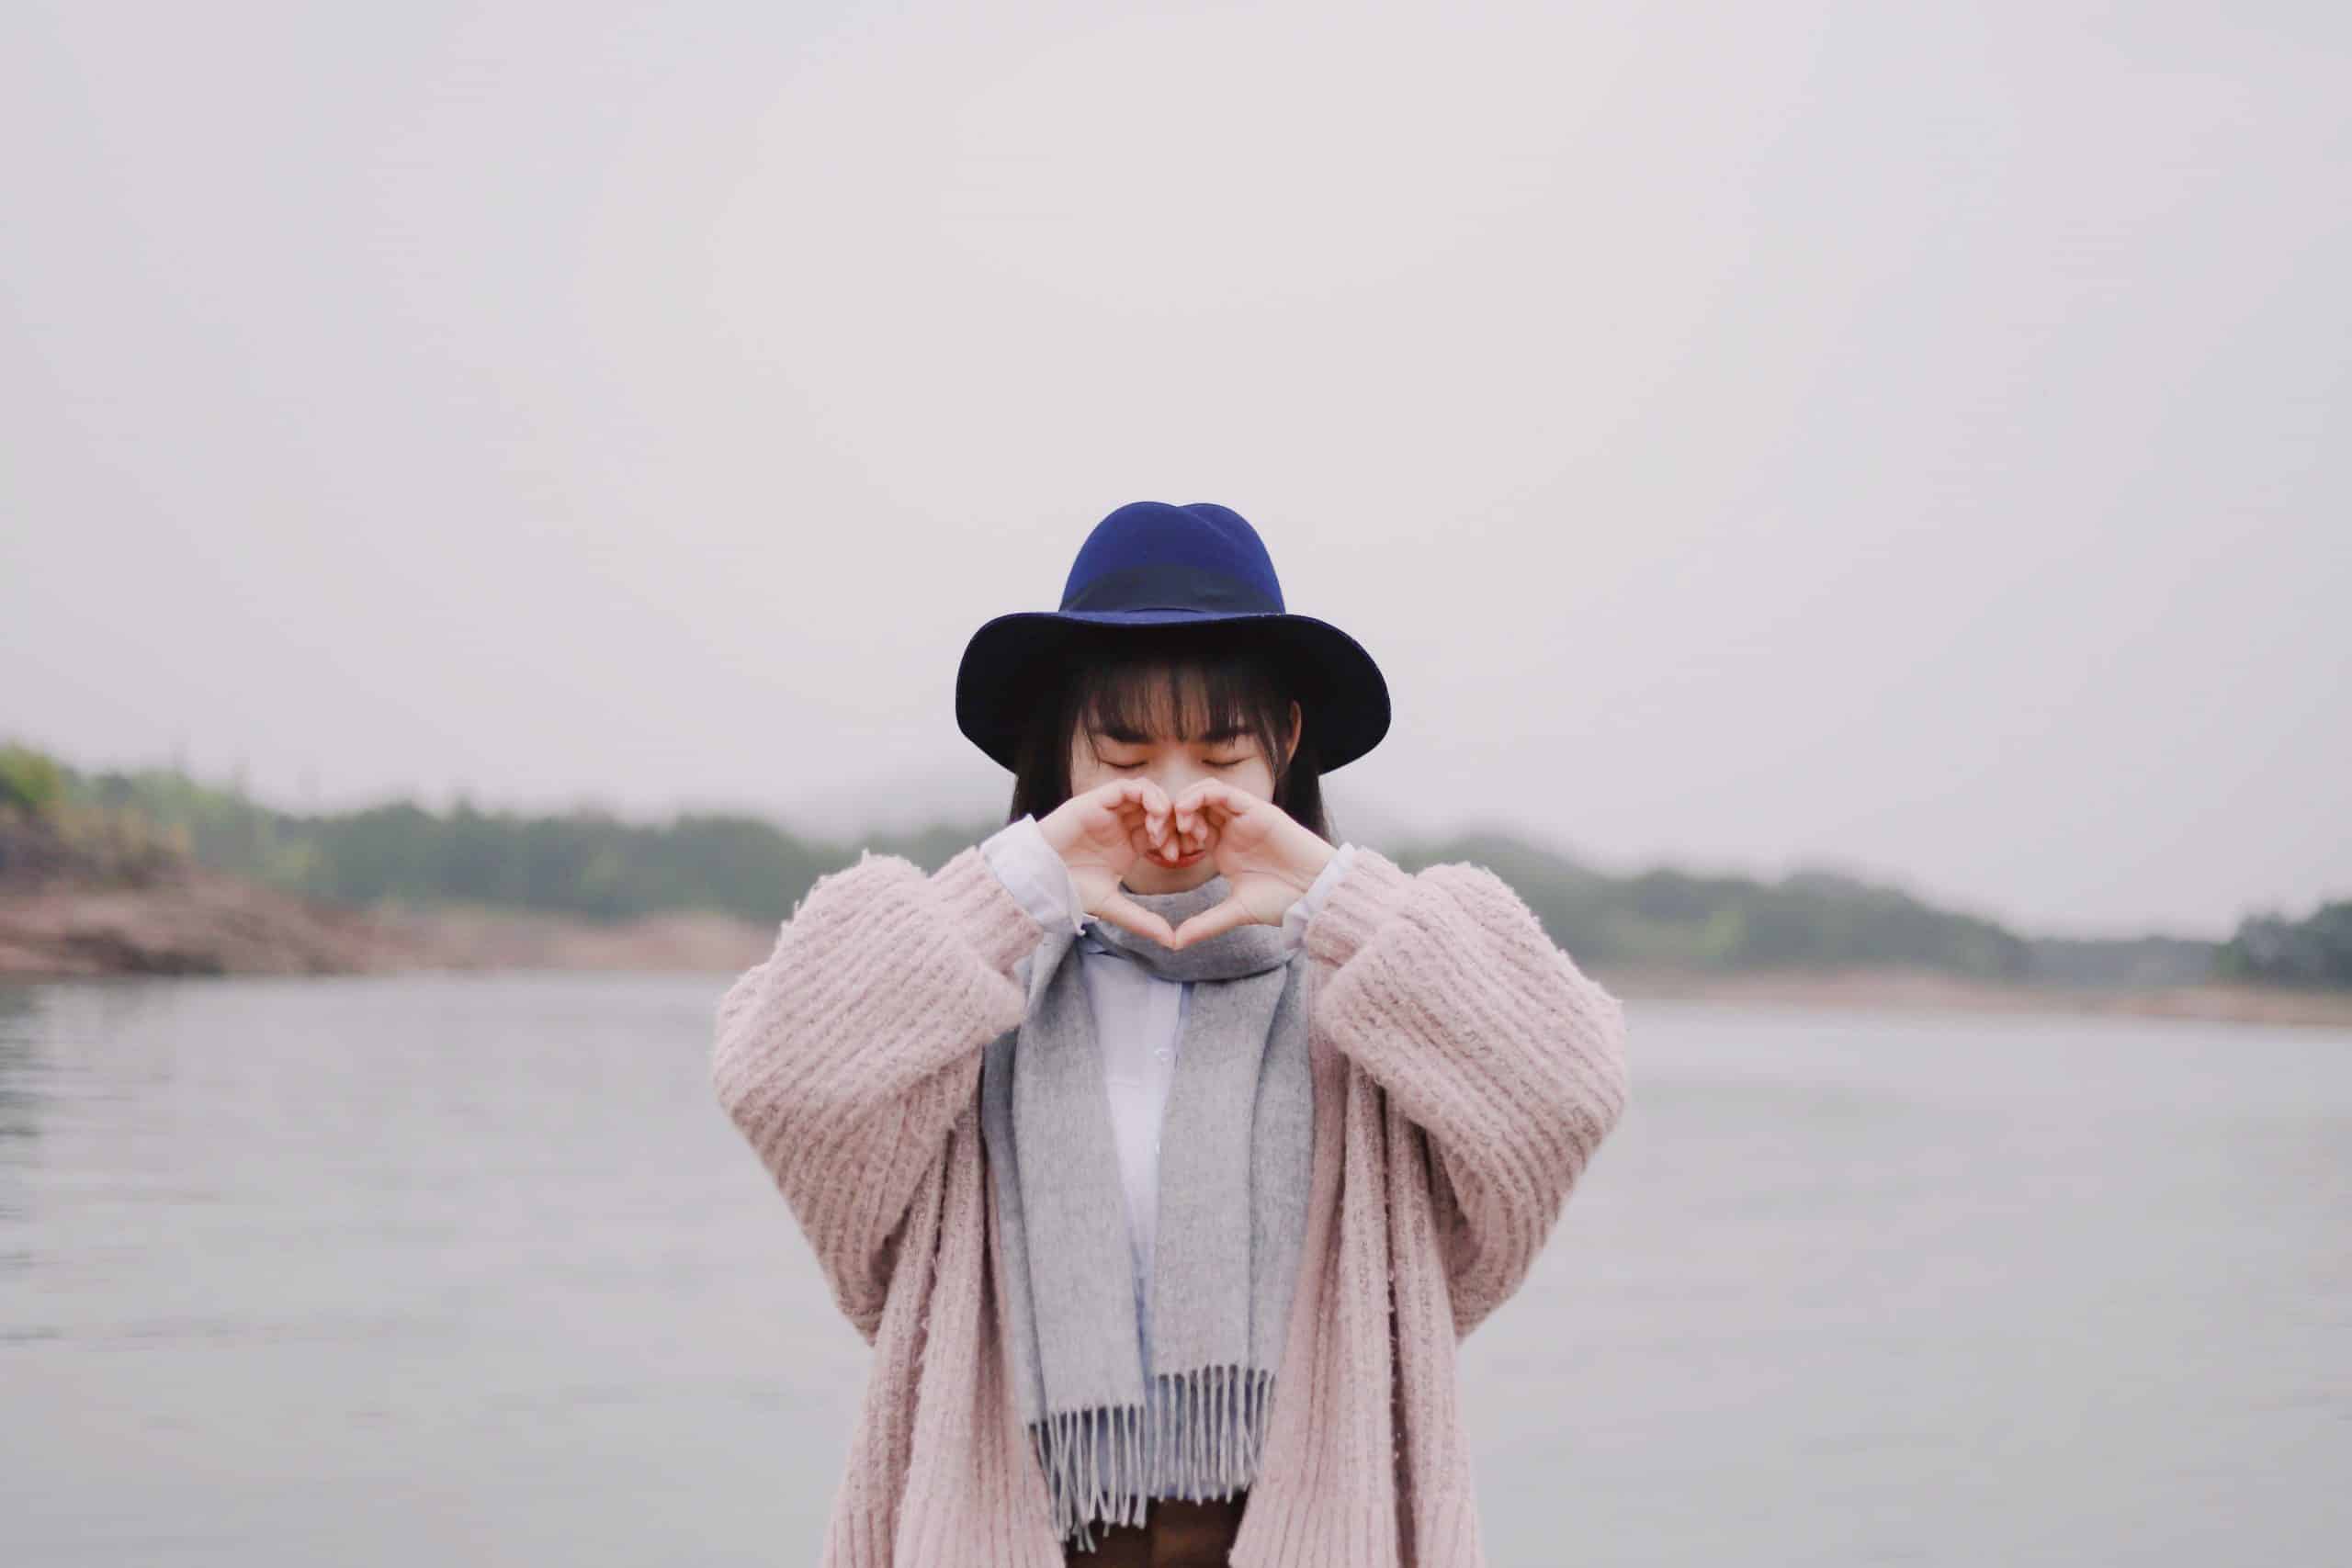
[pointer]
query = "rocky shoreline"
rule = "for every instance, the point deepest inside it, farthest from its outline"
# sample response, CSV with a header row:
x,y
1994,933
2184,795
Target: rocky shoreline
x,y
193,921
197,922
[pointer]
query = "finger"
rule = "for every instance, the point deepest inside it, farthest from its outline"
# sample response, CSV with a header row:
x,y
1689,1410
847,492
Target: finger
x,y
1190,834
1211,922
1143,803
1150,824
1190,807
1161,819
1217,798
1141,839
1170,845
1210,807
1163,831
1206,829
1122,910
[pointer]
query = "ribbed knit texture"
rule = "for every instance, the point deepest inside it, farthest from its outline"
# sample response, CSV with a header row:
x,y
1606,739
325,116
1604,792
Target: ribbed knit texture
x,y
1466,1070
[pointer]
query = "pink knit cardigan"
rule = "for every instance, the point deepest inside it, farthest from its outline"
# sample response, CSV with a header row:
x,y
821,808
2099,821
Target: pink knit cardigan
x,y
1465,1069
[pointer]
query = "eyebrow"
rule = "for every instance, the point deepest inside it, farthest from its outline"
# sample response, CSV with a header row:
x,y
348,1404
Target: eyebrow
x,y
1126,737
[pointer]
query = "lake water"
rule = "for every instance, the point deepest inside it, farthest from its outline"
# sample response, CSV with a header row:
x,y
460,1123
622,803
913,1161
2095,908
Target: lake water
x,y
473,1270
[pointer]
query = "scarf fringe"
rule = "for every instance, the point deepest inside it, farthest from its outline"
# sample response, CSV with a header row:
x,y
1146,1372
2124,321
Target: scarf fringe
x,y
1201,1436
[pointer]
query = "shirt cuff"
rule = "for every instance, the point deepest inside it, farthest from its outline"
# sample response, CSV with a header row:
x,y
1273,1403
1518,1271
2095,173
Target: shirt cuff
x,y
1037,878
1308,903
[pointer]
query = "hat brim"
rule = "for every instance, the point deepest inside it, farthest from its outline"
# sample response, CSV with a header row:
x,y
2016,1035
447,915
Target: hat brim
x,y
1344,693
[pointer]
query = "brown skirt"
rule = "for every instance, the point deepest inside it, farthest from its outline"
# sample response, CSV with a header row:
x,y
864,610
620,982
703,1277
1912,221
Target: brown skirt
x,y
1176,1533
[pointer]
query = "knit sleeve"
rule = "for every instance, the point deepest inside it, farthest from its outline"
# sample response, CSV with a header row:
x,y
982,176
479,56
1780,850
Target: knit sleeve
x,y
1447,991
845,1056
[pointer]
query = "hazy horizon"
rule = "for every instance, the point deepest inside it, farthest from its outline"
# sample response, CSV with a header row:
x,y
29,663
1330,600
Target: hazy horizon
x,y
847,817
1904,439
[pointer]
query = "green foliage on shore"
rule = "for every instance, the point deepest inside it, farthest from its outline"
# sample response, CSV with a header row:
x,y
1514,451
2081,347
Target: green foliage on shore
x,y
2314,951
593,865
30,781
49,831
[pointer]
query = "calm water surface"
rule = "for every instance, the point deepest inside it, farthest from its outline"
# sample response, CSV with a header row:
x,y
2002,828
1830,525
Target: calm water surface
x,y
473,1270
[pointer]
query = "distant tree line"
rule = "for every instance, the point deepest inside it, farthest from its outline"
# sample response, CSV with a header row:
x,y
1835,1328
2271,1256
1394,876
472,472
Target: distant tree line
x,y
1672,919
592,864
2315,951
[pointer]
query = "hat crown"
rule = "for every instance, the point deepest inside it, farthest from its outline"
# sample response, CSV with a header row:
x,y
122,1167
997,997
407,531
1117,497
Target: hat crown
x,y
1151,566
1150,554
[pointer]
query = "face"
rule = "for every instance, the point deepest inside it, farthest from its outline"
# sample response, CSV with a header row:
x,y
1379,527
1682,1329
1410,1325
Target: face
x,y
1175,765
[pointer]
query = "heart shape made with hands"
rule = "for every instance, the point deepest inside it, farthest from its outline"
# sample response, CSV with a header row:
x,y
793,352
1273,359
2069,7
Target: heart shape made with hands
x,y
1266,856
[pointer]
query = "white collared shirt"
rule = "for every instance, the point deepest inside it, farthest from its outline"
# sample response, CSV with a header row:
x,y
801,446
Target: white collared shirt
x,y
1139,1017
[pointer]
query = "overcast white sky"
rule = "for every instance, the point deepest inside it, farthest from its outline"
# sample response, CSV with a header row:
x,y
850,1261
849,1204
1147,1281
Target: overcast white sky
x,y
1909,437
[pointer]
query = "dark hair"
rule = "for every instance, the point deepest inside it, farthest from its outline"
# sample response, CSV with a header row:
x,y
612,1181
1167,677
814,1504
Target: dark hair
x,y
1217,676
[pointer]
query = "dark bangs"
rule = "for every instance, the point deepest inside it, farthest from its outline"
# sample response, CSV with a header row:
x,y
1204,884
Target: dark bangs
x,y
1222,677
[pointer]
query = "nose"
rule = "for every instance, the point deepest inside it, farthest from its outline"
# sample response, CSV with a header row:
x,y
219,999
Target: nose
x,y
1175,778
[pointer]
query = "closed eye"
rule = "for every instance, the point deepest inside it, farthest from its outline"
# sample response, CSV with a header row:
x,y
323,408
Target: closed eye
x,y
1228,762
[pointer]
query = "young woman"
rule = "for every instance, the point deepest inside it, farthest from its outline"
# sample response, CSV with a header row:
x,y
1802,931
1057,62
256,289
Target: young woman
x,y
1164,1150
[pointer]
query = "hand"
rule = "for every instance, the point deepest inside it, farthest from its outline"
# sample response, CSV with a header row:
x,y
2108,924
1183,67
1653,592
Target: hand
x,y
1265,854
1102,833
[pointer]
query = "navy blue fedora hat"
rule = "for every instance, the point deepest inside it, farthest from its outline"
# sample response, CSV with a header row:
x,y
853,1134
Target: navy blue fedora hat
x,y
1152,564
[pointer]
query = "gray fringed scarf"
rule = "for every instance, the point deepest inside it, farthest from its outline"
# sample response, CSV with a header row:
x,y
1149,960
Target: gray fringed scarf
x,y
1235,1150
